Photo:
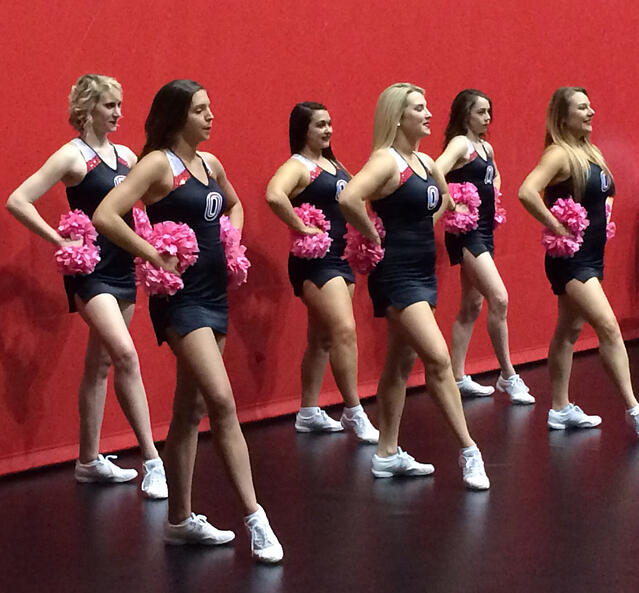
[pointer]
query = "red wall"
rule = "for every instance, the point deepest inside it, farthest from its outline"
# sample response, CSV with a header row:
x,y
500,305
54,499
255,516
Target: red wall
x,y
258,59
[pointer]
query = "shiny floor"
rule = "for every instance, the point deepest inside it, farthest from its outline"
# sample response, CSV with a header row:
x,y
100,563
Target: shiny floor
x,y
562,514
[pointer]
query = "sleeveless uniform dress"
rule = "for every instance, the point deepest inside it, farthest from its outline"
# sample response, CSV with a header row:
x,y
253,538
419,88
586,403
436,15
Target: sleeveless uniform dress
x,y
202,302
480,172
115,272
322,192
406,275
588,261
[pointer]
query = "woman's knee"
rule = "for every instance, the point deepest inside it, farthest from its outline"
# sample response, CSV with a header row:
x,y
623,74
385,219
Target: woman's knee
x,y
188,414
470,309
607,330
97,365
399,366
437,364
498,303
125,358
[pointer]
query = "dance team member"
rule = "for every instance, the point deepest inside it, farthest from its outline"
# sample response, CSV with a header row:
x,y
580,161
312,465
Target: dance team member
x,y
406,190
326,285
571,166
90,166
468,158
178,183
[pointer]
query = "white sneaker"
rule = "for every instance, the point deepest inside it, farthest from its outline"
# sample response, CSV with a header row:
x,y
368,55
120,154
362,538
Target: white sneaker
x,y
195,529
516,388
473,471
400,464
154,482
103,470
319,422
633,420
265,546
361,425
470,388
571,416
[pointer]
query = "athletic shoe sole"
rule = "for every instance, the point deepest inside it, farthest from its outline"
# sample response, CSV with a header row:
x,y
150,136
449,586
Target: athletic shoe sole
x,y
307,429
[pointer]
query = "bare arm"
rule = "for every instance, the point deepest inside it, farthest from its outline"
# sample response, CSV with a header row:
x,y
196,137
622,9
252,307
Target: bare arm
x,y
553,166
453,155
234,209
371,183
289,180
66,164
150,180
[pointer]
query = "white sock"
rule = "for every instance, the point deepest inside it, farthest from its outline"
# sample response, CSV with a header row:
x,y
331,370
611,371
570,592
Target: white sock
x,y
470,451
634,411
151,463
354,411
309,412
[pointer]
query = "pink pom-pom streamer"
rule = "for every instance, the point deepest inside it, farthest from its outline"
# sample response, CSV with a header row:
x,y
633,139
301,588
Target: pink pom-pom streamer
x,y
237,264
457,222
141,223
500,211
311,246
361,253
575,218
611,227
81,259
174,239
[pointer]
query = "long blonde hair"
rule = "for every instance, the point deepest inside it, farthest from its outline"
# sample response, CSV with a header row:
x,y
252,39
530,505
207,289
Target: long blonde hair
x,y
390,106
85,94
581,152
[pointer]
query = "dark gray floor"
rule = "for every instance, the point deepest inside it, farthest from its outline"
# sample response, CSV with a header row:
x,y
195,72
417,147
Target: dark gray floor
x,y
562,513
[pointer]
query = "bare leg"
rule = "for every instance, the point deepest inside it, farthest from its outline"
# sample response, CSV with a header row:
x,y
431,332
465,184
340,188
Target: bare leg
x,y
314,362
332,307
92,396
109,321
471,303
591,302
569,324
181,445
484,277
199,355
419,328
391,391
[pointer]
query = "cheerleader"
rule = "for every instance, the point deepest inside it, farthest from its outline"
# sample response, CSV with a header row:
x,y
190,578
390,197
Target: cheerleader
x,y
90,166
571,166
177,182
468,158
314,176
407,190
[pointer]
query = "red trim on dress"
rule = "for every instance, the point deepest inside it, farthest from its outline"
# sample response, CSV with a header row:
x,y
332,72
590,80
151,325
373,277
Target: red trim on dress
x,y
180,179
404,175
472,156
93,163
122,161
315,172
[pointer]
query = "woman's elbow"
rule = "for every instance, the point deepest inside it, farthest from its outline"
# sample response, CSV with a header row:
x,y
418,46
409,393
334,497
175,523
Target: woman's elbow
x,y
100,220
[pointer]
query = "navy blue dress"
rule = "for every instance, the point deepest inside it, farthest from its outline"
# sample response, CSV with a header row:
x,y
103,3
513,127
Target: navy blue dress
x,y
406,275
481,173
322,192
588,261
202,302
115,272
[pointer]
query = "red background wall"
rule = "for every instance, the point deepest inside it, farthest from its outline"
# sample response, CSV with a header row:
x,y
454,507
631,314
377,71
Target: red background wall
x,y
258,59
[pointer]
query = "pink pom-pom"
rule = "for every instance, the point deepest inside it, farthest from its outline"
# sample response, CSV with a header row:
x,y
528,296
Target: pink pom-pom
x,y
457,222
77,225
361,253
575,218
500,211
174,239
311,246
141,223
80,259
237,264
611,227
